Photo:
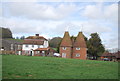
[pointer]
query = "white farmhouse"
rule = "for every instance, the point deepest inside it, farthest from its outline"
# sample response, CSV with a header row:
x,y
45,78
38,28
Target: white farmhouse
x,y
35,46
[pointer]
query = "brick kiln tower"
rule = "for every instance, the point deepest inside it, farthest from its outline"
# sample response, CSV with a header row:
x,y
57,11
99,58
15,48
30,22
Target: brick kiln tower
x,y
66,46
79,47
70,48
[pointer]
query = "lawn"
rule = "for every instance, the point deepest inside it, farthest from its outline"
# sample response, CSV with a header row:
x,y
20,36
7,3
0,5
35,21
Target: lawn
x,y
34,67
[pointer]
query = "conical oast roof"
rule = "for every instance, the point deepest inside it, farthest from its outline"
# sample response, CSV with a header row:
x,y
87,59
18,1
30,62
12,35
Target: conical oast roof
x,y
66,41
80,41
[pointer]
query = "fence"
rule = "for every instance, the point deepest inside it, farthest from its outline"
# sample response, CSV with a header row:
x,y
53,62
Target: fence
x,y
7,52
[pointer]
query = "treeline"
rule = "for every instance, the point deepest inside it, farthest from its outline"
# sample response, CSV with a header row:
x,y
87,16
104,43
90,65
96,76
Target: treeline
x,y
22,37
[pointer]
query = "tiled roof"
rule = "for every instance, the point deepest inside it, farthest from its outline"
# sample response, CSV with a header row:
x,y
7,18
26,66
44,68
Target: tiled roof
x,y
80,41
66,41
107,54
41,49
36,37
33,41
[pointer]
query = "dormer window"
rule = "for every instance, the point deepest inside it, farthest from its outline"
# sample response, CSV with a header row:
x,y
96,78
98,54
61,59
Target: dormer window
x,y
78,48
64,48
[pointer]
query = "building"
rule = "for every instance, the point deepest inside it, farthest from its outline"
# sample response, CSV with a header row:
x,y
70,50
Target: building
x,y
73,48
111,56
9,46
34,46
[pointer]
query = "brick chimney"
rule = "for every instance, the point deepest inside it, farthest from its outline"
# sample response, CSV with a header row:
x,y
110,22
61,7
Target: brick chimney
x,y
36,34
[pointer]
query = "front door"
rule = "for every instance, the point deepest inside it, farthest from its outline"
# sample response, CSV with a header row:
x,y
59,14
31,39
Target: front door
x,y
30,53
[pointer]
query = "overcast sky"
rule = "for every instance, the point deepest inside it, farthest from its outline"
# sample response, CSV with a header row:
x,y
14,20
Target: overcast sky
x,y
52,19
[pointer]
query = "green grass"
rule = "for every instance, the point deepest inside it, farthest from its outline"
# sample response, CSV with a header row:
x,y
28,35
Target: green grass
x,y
55,49
19,40
33,67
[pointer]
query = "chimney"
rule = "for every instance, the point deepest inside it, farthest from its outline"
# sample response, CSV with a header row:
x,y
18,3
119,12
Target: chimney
x,y
37,34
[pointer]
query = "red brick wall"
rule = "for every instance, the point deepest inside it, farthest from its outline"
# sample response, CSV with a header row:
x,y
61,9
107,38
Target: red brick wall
x,y
68,52
82,53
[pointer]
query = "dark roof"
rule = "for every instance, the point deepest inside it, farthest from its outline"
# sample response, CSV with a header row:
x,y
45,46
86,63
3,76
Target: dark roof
x,y
66,41
80,41
11,41
33,41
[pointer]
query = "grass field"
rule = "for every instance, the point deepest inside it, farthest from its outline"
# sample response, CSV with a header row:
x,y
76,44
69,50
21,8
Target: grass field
x,y
32,67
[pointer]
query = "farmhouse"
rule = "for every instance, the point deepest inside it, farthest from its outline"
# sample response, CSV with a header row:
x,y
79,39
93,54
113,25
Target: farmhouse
x,y
34,46
71,48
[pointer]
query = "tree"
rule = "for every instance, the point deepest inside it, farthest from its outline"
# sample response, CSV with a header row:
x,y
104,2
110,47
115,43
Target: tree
x,y
17,37
54,42
22,37
5,33
94,45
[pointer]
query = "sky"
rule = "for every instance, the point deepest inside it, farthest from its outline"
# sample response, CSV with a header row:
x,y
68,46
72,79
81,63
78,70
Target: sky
x,y
52,19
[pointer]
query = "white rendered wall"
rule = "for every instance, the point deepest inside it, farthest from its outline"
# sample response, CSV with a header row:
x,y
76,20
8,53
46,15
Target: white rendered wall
x,y
46,44
30,47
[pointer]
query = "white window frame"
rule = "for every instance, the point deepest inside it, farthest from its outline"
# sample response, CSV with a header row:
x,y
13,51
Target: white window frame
x,y
38,52
43,51
19,46
77,55
11,46
33,46
78,48
64,48
38,46
63,55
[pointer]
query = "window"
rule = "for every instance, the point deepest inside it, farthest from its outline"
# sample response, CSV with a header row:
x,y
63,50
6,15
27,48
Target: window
x,y
38,46
38,51
33,46
64,48
63,55
26,52
26,45
78,48
43,51
19,46
77,55
11,46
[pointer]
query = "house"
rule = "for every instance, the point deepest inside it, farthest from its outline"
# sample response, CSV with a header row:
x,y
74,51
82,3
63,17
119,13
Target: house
x,y
70,48
111,56
107,56
34,46
117,55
